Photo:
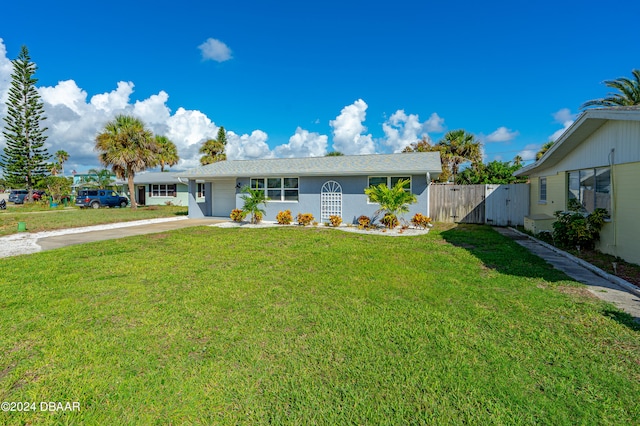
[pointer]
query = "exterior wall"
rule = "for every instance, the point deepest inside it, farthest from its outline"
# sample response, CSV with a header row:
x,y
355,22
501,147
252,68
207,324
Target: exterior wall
x,y
556,195
354,200
621,236
199,207
181,198
621,136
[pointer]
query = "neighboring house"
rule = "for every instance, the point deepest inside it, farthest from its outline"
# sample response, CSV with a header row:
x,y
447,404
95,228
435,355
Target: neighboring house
x,y
82,180
157,188
322,186
596,161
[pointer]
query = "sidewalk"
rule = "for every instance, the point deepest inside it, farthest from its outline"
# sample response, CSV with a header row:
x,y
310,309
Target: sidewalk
x,y
26,243
607,287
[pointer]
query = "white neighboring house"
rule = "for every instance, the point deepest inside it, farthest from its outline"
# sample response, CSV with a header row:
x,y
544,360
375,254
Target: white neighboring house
x,y
158,188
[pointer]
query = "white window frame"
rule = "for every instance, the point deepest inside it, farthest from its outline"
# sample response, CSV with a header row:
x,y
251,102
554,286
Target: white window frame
x,y
542,190
388,183
158,190
281,188
200,190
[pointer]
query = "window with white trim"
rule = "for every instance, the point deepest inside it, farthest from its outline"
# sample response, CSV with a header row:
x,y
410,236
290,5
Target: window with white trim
x,y
542,190
278,188
201,193
591,188
390,181
163,190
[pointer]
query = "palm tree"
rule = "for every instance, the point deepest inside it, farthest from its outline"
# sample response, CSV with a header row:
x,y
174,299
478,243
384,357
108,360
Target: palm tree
x,y
518,160
629,92
168,152
101,178
393,201
128,147
213,149
62,156
252,200
334,154
544,149
458,147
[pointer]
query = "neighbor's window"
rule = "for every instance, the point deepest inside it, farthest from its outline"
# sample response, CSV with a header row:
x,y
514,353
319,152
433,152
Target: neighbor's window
x,y
390,181
163,190
591,187
542,196
279,188
201,190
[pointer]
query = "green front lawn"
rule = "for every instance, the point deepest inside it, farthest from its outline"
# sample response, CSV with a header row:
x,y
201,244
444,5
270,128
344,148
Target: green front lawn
x,y
311,326
39,217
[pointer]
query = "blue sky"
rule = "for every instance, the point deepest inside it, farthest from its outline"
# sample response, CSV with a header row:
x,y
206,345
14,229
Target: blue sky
x,y
300,78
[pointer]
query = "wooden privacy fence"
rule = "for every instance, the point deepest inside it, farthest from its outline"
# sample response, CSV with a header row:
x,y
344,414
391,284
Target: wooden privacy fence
x,y
500,205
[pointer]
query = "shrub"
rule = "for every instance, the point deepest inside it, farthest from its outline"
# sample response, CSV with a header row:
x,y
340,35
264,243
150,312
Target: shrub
x,y
421,221
304,219
390,220
572,229
284,217
364,221
257,217
237,215
335,220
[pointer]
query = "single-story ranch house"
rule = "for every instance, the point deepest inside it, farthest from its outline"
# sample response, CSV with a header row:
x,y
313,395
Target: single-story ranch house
x,y
322,186
596,162
157,188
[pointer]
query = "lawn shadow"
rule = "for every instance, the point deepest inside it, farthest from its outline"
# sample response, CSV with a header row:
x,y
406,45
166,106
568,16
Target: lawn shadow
x,y
501,253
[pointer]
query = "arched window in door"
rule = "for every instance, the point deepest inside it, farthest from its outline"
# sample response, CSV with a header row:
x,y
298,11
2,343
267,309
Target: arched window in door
x,y
331,200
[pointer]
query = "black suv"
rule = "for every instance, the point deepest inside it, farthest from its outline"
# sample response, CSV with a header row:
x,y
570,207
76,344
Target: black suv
x,y
95,198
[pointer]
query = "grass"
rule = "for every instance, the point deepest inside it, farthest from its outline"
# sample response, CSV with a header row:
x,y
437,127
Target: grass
x,y
311,326
39,217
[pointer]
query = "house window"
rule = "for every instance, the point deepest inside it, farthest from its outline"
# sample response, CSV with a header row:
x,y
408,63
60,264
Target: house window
x,y
390,181
591,188
542,194
279,188
163,190
201,193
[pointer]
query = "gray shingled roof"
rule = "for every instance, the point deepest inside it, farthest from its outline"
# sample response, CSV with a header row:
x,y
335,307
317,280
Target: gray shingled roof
x,y
151,177
405,163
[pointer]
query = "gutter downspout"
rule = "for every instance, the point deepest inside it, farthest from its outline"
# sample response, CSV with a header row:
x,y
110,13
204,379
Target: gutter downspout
x,y
428,192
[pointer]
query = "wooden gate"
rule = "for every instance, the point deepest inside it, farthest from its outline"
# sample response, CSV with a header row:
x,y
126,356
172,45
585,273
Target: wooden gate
x,y
456,203
500,205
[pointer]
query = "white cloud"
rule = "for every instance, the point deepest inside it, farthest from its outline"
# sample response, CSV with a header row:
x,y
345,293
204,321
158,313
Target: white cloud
x,y
402,130
248,147
303,144
215,50
564,117
529,152
348,129
435,124
501,134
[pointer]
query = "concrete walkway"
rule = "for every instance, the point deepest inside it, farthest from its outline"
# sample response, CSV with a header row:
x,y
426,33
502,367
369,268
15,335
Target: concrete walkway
x,y
605,286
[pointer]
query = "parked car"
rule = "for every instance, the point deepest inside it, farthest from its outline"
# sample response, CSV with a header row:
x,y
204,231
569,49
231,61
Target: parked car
x,y
96,198
17,196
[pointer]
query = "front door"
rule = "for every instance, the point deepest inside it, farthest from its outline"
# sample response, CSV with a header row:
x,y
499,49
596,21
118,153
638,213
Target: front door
x,y
142,192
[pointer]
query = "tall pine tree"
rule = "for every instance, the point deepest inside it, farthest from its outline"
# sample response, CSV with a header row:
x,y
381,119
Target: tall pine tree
x,y
24,160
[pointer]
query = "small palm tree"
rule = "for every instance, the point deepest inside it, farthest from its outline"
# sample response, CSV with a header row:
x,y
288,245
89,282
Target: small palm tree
x,y
629,92
128,147
252,200
544,149
213,149
168,155
393,201
458,147
100,178
62,157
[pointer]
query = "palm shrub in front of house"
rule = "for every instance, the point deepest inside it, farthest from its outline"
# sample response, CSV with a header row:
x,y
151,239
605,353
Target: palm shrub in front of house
x,y
574,229
393,201
253,198
284,217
